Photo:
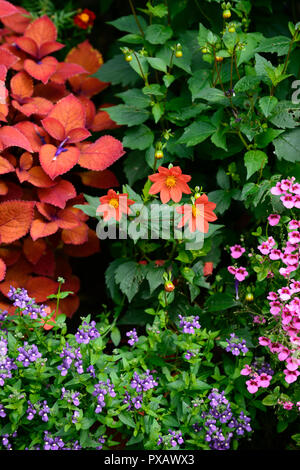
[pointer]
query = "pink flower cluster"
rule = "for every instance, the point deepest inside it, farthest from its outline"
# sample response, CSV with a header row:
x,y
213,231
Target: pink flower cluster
x,y
289,405
289,192
256,380
284,354
239,273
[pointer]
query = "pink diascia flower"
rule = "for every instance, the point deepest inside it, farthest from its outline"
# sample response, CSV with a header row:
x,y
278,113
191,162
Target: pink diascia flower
x,y
274,219
239,273
288,405
284,293
294,237
275,254
252,385
264,380
294,224
246,370
288,200
284,353
263,341
237,251
291,375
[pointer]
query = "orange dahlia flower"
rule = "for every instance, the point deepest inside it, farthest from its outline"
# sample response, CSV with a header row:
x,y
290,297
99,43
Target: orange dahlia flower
x,y
113,205
170,183
197,215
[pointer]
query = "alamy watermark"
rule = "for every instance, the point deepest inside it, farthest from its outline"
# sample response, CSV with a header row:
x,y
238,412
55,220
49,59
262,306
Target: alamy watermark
x,y
153,221
296,94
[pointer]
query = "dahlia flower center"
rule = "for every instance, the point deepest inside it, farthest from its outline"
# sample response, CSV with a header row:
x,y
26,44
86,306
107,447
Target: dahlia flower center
x,y
195,211
84,17
170,181
114,203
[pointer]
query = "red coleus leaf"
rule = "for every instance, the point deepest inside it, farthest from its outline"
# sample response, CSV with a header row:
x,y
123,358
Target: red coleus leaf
x,y
69,113
101,154
102,121
10,253
11,137
42,33
3,188
65,71
25,164
52,91
5,166
41,70
21,86
39,106
89,109
46,264
40,287
57,195
90,247
33,250
7,58
19,21
99,179
37,177
56,164
75,236
7,9
34,134
14,192
40,228
15,219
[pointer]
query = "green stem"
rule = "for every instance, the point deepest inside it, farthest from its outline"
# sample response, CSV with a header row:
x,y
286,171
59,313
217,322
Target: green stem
x,y
136,18
141,69
243,140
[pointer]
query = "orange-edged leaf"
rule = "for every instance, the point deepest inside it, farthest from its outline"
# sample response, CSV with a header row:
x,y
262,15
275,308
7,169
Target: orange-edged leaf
x,y
57,165
50,47
54,128
5,166
41,31
2,269
26,161
33,250
8,307
86,56
21,86
18,273
7,9
3,188
57,195
90,111
15,219
70,113
51,317
40,229
41,70
102,121
101,154
89,248
99,179
3,72
18,22
88,86
77,135
37,177
10,253
72,283
46,264
11,137
66,70
27,45
36,105
34,134
75,236
67,219
7,58
40,287
46,210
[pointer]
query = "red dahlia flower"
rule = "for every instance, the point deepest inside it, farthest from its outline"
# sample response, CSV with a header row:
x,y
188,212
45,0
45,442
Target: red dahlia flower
x,y
84,19
197,215
170,183
113,205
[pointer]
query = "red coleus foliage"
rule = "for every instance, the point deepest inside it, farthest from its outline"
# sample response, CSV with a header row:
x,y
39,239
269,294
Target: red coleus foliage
x,y
46,115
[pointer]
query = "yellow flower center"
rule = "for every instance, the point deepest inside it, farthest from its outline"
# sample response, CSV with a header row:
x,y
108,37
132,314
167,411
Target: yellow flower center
x,y
114,203
84,17
170,181
195,211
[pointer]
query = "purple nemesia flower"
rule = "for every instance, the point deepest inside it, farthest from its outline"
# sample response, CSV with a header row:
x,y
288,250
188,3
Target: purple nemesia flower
x,y
188,324
133,337
87,332
235,345
25,303
101,389
2,411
